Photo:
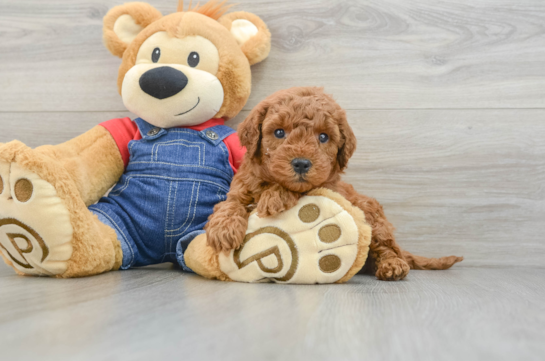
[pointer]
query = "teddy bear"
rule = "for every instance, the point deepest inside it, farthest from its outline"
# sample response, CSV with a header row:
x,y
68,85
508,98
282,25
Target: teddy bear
x,y
184,75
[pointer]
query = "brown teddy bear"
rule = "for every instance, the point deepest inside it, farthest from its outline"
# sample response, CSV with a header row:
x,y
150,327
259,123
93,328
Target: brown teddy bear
x,y
183,75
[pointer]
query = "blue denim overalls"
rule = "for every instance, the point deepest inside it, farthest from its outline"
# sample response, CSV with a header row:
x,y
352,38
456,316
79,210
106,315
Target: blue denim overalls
x,y
172,182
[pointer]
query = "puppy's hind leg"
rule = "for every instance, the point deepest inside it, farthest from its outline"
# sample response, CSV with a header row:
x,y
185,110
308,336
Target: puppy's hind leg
x,y
390,266
387,255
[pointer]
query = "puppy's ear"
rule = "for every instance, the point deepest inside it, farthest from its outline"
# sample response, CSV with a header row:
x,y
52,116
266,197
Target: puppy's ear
x,y
251,34
249,131
348,142
124,22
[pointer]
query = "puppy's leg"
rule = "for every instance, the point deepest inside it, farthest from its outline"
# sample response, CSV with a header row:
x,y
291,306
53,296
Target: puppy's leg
x,y
227,226
390,265
276,199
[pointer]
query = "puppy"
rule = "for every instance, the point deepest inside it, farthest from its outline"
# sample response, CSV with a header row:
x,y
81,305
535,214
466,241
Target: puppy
x,y
297,140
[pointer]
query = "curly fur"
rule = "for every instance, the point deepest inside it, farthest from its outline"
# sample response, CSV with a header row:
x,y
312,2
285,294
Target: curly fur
x,y
266,179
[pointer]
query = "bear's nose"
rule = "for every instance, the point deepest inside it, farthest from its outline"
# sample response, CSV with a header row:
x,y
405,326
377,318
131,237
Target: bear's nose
x,y
301,165
163,82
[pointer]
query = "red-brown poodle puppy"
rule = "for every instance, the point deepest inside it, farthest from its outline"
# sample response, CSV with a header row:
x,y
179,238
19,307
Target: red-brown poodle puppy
x,y
297,140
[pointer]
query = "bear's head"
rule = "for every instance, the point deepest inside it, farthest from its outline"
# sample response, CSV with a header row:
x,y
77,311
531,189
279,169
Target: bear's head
x,y
185,68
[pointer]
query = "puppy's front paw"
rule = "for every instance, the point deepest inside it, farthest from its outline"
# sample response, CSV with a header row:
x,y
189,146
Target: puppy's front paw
x,y
269,206
225,234
275,200
392,269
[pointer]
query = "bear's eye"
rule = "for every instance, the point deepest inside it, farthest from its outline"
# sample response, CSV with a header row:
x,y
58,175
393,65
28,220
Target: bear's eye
x,y
155,55
279,133
193,59
323,138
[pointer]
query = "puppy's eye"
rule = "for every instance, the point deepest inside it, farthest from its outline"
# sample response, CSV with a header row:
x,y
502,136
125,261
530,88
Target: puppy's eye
x,y
155,55
323,138
279,133
193,59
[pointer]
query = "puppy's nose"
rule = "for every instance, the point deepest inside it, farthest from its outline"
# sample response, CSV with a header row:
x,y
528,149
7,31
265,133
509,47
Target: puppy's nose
x,y
301,165
163,82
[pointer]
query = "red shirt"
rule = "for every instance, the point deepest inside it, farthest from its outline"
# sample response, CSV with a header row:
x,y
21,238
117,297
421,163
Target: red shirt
x,y
123,130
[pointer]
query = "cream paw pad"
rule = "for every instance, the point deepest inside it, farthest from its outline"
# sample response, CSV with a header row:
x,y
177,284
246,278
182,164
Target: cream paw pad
x,y
323,239
35,227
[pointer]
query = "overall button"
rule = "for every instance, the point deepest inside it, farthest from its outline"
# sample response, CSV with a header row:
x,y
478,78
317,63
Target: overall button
x,y
211,135
154,131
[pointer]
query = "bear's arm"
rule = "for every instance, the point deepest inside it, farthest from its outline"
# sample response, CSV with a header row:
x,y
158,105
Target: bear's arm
x,y
92,160
123,130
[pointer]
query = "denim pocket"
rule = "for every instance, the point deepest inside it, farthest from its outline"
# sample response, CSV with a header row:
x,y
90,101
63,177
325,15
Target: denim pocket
x,y
190,205
172,151
182,206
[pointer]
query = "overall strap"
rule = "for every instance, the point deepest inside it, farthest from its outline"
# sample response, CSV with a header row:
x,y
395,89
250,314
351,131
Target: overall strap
x,y
149,131
216,134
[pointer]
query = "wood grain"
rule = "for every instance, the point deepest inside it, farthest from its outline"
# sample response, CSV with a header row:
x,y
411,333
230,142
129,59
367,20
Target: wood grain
x,y
372,54
464,182
158,313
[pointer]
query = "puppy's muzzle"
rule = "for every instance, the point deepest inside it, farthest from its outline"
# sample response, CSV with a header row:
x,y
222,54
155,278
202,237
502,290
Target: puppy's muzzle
x,y
301,165
163,82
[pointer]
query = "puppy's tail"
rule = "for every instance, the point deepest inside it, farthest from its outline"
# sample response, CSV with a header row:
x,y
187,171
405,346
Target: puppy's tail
x,y
423,263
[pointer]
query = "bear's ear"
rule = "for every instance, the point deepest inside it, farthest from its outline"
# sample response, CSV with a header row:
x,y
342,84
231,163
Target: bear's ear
x,y
123,23
251,34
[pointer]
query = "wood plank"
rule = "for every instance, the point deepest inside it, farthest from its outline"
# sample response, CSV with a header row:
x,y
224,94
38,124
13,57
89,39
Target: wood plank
x,y
372,54
461,182
35,129
464,182
143,314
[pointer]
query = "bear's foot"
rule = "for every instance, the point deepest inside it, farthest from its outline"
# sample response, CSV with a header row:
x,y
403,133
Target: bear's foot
x,y
323,239
43,223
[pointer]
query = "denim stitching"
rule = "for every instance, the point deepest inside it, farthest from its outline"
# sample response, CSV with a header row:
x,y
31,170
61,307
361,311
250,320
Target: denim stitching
x,y
168,213
226,155
121,189
182,131
173,211
194,213
168,203
188,209
152,152
131,144
221,197
120,232
188,165
164,177
174,203
177,143
223,150
155,148
168,240
188,212
227,165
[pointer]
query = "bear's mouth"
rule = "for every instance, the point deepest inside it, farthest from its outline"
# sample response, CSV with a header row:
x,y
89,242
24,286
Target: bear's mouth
x,y
187,111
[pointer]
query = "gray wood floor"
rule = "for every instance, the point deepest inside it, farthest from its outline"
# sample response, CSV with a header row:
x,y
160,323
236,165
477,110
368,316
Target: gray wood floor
x,y
158,313
447,99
